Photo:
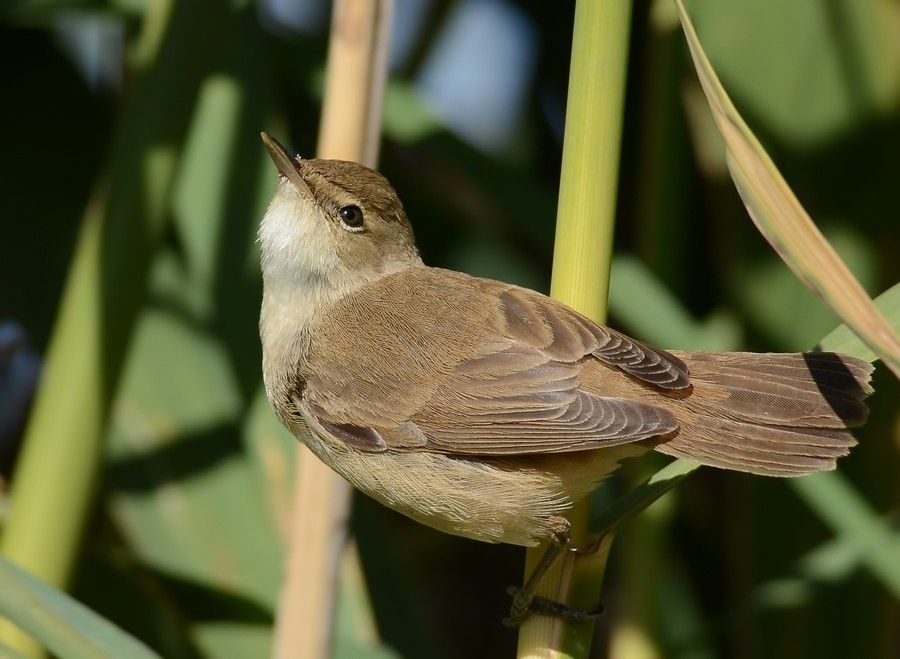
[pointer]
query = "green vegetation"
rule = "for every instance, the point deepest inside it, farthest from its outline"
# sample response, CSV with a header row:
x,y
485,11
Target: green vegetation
x,y
151,444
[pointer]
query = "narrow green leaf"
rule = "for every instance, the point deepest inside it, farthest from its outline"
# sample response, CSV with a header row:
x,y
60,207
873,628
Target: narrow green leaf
x,y
782,220
641,497
834,499
63,625
842,338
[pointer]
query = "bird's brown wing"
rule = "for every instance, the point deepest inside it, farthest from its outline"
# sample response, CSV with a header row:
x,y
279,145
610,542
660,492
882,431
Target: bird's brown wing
x,y
461,365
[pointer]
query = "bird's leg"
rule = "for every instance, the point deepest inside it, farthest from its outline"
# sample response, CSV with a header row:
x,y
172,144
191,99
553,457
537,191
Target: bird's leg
x,y
524,597
526,602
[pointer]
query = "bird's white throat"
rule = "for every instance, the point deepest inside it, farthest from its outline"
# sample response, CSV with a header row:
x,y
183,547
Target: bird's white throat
x,y
297,249
300,267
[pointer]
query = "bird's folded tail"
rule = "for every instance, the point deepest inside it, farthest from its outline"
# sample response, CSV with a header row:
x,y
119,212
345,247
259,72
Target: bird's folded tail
x,y
772,414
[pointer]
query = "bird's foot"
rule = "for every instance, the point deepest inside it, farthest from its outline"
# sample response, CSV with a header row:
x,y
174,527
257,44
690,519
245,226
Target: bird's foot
x,y
524,605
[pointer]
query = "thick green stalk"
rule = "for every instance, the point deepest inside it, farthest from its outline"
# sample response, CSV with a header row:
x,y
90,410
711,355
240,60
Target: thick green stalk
x,y
581,262
57,470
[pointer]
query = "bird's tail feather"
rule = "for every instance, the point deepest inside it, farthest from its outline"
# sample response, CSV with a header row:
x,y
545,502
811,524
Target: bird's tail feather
x,y
773,414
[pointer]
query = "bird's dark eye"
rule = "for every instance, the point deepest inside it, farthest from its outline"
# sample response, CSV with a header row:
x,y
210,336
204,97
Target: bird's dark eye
x,y
351,216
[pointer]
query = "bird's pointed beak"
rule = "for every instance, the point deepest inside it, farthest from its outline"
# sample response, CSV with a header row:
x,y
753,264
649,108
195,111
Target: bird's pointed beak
x,y
286,163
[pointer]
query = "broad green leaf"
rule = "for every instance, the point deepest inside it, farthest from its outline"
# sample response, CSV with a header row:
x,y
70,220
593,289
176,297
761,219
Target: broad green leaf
x,y
60,623
7,652
781,219
832,561
643,304
234,639
406,117
199,196
842,508
188,500
203,470
57,469
810,71
187,496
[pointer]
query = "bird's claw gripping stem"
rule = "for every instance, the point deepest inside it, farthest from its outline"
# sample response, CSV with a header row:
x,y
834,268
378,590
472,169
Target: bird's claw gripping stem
x,y
523,605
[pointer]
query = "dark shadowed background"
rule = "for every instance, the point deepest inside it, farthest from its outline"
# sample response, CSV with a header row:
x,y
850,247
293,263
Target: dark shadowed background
x,y
186,543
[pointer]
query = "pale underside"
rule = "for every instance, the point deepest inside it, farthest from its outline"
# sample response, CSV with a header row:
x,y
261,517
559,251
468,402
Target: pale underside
x,y
486,410
485,418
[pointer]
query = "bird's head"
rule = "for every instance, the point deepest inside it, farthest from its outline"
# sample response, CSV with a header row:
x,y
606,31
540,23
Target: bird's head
x,y
332,225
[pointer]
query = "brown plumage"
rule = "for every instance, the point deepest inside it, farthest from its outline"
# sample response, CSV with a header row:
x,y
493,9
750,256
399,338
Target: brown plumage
x,y
485,409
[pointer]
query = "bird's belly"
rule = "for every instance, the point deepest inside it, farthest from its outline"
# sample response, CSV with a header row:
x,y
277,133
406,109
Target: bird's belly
x,y
511,500
492,501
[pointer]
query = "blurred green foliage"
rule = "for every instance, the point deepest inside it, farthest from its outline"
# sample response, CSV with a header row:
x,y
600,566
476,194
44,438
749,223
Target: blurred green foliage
x,y
66,627
185,546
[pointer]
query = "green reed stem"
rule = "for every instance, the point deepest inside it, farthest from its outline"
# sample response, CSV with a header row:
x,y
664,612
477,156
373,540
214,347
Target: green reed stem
x,y
581,263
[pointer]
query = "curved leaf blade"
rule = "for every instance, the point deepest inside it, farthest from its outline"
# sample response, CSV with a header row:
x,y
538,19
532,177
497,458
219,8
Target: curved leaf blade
x,y
781,219
842,338
843,509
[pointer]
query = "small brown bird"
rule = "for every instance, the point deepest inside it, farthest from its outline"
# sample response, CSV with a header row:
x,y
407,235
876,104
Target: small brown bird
x,y
484,409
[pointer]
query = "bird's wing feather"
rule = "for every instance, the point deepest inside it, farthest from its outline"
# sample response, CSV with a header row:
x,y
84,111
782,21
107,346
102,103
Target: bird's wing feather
x,y
471,366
